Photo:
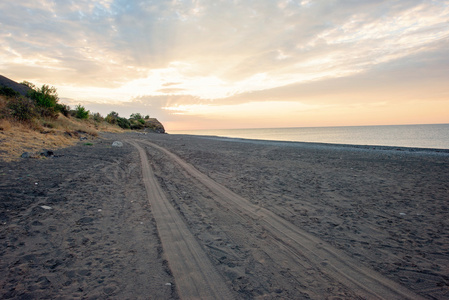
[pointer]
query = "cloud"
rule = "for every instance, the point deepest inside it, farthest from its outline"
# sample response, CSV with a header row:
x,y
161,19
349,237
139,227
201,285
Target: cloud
x,y
223,52
170,90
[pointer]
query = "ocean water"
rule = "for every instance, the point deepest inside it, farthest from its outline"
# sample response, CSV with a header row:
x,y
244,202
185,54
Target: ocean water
x,y
417,136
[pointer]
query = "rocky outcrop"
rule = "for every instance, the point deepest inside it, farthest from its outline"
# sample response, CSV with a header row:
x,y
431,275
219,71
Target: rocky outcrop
x,y
153,125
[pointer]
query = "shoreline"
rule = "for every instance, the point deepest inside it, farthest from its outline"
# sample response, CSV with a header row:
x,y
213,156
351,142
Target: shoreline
x,y
431,136
337,146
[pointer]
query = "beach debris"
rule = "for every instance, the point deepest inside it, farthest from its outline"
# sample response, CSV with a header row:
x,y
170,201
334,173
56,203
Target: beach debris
x,y
168,283
46,207
117,144
43,153
402,214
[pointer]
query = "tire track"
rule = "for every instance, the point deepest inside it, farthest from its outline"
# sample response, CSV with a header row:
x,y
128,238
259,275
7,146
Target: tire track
x,y
194,274
332,262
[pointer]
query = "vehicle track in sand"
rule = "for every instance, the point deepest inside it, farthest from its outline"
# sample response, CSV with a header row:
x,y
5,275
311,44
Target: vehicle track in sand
x,y
195,276
296,244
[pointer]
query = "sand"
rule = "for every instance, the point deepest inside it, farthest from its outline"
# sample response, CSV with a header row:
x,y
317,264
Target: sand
x,y
173,216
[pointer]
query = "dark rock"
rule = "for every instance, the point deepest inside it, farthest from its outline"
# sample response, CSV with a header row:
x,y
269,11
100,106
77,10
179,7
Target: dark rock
x,y
85,221
47,153
26,155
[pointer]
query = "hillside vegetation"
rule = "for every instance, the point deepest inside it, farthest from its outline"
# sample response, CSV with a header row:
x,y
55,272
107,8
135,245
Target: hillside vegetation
x,y
33,119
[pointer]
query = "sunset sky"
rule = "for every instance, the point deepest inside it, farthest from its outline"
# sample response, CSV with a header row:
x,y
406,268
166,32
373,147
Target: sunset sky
x,y
197,64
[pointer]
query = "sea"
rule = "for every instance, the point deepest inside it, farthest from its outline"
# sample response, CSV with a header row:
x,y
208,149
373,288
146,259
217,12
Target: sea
x,y
434,136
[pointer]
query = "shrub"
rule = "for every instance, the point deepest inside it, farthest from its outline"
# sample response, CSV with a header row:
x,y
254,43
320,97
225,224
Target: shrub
x,y
123,123
136,116
28,84
64,109
136,124
97,117
21,108
112,117
81,112
46,96
47,112
7,91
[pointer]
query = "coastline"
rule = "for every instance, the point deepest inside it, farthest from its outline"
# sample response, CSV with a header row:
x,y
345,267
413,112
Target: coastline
x,y
384,208
311,145
433,136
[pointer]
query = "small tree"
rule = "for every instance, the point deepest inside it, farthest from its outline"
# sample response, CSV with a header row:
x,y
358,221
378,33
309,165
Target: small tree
x,y
81,112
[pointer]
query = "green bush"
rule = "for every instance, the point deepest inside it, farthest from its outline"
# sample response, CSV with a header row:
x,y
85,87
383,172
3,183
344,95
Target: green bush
x,y
136,116
123,123
21,108
112,117
81,112
136,124
46,96
7,91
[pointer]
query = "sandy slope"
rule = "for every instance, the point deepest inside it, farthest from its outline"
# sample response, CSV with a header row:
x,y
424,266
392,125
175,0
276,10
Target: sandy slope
x,y
264,220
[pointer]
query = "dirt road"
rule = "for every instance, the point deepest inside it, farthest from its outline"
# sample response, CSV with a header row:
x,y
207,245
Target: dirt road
x,y
306,253
194,274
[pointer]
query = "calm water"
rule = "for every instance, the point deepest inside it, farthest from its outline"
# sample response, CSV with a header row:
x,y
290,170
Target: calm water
x,y
419,136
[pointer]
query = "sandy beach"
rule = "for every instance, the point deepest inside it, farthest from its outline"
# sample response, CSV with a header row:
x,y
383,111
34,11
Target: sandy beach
x,y
183,217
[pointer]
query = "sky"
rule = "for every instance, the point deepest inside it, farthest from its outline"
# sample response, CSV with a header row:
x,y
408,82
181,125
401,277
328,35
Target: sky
x,y
197,64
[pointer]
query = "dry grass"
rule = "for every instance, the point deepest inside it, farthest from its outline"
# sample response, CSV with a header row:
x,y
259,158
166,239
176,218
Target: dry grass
x,y
21,138
5,125
17,138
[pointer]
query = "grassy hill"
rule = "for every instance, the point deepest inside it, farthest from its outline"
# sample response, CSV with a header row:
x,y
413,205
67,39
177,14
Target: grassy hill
x,y
32,119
